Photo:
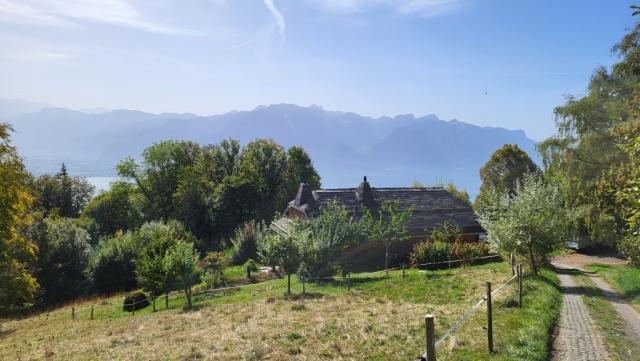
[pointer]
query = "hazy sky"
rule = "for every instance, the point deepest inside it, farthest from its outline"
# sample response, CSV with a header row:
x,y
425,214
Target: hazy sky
x,y
489,62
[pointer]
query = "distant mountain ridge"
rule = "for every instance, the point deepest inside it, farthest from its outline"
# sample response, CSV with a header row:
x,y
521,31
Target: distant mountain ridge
x,y
392,151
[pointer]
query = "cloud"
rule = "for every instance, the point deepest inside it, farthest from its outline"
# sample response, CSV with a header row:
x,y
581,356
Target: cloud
x,y
277,17
424,8
70,13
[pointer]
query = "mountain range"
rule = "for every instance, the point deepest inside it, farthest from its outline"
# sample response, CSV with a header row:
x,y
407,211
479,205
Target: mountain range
x,y
391,151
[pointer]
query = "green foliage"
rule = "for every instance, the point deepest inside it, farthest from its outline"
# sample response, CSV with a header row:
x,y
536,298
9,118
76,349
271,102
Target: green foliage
x,y
115,210
503,172
17,283
134,301
251,265
388,225
428,252
61,194
63,255
112,266
531,221
182,260
461,194
215,188
324,237
586,156
244,242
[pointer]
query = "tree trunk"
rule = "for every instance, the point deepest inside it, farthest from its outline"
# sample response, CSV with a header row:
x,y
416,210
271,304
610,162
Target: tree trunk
x,y
187,293
289,284
386,258
533,261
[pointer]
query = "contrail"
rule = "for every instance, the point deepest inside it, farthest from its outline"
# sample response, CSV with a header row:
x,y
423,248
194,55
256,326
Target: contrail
x,y
277,16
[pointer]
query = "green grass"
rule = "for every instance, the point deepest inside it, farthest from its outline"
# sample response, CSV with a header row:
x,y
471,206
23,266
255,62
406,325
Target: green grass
x,y
624,279
519,334
621,346
380,319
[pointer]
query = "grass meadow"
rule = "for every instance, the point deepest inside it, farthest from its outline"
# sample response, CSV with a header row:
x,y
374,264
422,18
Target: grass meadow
x,y
382,318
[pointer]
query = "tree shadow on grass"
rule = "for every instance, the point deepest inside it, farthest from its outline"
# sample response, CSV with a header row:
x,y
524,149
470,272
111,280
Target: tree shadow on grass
x,y
6,333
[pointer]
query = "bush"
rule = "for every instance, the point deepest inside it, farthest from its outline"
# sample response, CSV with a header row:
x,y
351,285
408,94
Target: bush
x,y
438,251
244,242
428,252
135,300
251,265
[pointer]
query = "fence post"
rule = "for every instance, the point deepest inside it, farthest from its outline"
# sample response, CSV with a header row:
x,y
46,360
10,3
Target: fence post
x,y
248,272
489,319
73,313
92,312
430,338
513,270
349,281
520,285
166,300
153,297
403,271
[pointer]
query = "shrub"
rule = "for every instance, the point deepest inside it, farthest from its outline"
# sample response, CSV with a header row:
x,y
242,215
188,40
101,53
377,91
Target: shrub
x,y
251,265
244,242
468,250
135,300
428,252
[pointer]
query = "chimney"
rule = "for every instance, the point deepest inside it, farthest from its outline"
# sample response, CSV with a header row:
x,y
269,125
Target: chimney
x,y
304,195
365,194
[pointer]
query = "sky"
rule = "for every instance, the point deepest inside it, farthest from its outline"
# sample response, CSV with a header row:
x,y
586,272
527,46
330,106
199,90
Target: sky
x,y
488,62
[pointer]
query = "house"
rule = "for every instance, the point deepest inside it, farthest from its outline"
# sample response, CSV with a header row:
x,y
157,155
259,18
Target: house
x,y
432,206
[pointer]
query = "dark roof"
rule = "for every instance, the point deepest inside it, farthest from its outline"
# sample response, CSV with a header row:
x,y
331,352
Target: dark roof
x,y
431,206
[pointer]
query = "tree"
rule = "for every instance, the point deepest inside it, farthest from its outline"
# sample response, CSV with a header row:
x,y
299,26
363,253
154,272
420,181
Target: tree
x,y
17,283
112,265
502,172
531,221
264,162
461,194
388,225
114,210
585,153
299,169
326,236
159,174
61,194
63,255
281,247
183,261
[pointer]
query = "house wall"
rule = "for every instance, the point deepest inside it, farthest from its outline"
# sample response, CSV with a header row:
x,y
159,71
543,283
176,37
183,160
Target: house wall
x,y
369,256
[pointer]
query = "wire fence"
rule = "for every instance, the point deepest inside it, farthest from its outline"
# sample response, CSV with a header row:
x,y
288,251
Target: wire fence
x,y
432,344
90,312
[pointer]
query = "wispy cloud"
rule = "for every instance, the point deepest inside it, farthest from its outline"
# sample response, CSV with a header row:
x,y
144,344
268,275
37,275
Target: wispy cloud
x,y
277,17
424,8
70,13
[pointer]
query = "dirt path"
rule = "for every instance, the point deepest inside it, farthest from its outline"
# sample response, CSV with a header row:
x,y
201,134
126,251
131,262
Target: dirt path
x,y
627,313
577,338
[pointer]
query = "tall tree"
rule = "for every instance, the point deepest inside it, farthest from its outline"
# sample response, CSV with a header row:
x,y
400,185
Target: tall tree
x,y
502,172
586,148
117,209
61,194
158,176
17,283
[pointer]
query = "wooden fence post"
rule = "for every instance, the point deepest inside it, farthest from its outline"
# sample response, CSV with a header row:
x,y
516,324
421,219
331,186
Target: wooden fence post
x,y
92,312
349,281
403,271
73,313
520,285
489,319
166,300
153,298
513,270
430,338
